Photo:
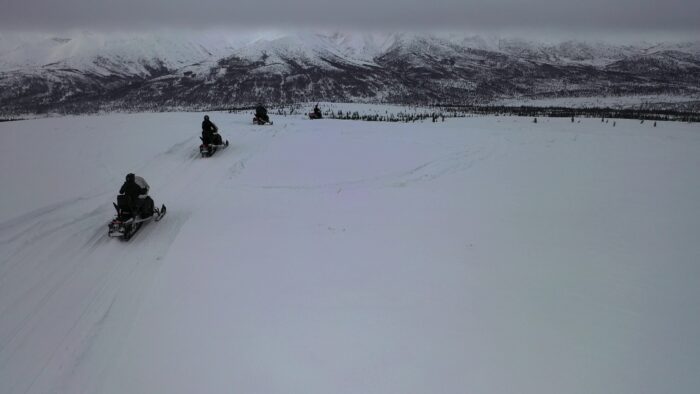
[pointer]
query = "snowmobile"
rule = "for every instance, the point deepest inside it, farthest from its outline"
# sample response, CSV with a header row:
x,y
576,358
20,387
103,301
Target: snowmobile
x,y
261,120
316,113
127,223
208,150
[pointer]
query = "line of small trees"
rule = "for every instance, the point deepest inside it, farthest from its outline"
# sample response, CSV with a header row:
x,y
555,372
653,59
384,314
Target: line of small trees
x,y
534,112
443,112
387,117
564,112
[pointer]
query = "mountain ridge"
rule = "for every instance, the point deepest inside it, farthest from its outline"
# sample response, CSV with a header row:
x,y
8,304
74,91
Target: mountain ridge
x,y
85,71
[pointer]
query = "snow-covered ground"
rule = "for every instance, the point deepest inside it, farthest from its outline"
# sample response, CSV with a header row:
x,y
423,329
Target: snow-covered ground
x,y
478,255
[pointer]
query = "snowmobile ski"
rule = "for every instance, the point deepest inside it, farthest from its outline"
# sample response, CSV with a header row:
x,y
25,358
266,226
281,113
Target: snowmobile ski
x,y
161,212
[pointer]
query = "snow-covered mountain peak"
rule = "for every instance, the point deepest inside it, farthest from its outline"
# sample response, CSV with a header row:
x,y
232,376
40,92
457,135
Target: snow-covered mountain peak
x,y
175,49
219,67
130,53
363,45
312,48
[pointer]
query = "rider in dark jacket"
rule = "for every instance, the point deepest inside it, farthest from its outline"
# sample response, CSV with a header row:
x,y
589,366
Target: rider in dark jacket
x,y
261,113
136,189
210,133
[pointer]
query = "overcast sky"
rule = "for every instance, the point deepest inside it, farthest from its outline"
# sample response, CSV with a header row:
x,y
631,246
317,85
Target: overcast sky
x,y
468,15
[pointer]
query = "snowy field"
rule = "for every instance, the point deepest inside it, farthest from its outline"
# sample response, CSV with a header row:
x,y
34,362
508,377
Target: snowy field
x,y
479,255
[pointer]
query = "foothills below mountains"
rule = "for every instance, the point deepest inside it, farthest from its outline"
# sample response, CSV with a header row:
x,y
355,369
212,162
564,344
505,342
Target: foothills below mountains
x,y
87,72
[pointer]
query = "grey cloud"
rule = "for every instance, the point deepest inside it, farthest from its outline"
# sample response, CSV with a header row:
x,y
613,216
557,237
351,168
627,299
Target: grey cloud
x,y
375,14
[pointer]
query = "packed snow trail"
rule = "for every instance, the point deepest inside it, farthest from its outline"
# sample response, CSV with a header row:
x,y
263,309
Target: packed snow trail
x,y
59,266
477,255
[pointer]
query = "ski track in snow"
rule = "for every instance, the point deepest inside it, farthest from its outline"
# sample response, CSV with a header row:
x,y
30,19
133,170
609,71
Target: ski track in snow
x,y
88,287
90,283
100,281
449,164
317,224
446,164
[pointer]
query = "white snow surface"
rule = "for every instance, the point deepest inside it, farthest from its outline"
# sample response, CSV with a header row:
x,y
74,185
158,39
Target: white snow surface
x,y
478,255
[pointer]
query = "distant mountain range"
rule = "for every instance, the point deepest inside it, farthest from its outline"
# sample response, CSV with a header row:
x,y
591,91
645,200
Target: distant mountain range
x,y
86,72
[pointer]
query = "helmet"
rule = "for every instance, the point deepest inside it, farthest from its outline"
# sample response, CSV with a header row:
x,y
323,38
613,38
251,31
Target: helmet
x,y
206,117
130,177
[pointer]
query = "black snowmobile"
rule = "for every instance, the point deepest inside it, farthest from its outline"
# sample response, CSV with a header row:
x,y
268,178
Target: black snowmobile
x,y
127,222
208,149
261,116
261,120
316,113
